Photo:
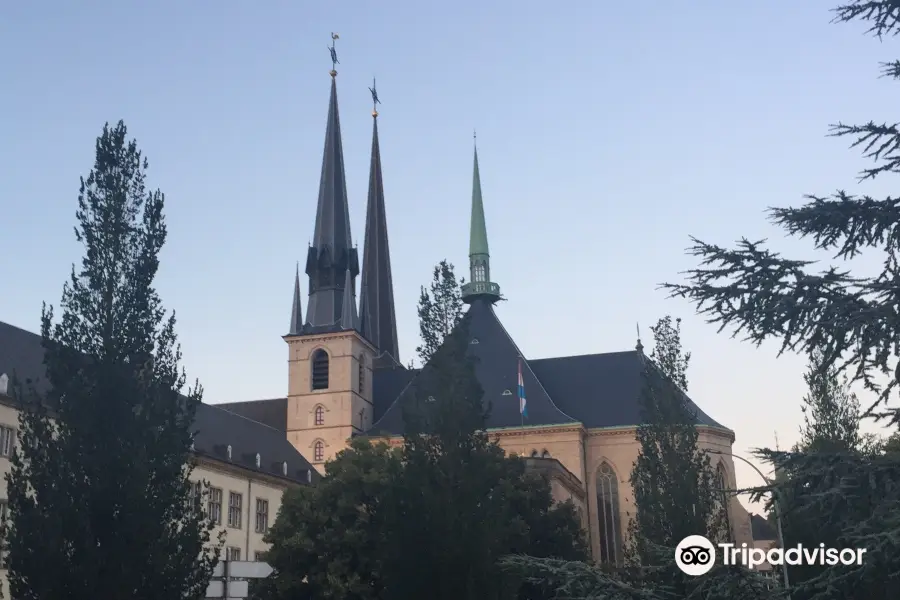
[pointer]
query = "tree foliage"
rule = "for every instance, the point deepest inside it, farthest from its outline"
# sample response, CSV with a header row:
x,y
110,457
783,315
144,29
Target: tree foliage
x,y
675,489
847,320
99,493
440,309
327,541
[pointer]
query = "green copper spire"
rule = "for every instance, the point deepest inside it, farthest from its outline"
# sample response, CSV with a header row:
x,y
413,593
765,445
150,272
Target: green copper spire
x,y
480,285
478,242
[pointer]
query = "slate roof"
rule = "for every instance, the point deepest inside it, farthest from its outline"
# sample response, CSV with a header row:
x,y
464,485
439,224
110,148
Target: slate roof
x,y
216,428
600,390
497,370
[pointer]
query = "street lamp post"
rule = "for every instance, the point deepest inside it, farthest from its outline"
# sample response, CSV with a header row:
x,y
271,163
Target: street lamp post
x,y
776,507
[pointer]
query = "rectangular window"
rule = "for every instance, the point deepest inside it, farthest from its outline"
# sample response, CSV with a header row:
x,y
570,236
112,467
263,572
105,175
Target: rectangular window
x,y
196,497
262,515
235,501
234,553
7,440
215,505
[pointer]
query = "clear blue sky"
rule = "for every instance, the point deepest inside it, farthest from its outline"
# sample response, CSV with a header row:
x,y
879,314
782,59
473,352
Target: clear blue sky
x,y
608,133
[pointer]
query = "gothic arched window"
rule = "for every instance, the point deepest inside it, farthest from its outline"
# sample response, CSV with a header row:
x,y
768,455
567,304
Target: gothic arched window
x,y
534,454
320,415
722,488
319,451
362,374
320,370
608,519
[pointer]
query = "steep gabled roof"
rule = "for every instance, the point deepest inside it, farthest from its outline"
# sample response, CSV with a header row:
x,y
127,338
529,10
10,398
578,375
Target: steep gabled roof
x,y
216,429
600,390
497,359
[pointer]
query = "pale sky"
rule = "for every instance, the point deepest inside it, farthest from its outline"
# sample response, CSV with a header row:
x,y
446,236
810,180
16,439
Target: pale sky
x,y
608,134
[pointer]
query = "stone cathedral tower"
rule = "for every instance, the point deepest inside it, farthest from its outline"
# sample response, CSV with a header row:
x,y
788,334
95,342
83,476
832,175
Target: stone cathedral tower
x,y
333,352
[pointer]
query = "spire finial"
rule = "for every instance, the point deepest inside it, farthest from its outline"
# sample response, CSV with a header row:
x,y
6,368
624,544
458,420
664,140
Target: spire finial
x,y
334,59
375,100
639,346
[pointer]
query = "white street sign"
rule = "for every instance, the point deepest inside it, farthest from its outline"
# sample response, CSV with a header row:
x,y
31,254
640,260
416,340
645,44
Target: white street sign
x,y
245,569
236,569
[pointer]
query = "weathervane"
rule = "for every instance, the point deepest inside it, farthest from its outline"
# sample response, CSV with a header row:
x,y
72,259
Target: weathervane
x,y
375,100
334,59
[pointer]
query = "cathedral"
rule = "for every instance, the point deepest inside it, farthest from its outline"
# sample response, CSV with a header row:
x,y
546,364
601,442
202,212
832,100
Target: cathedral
x,y
576,422
572,418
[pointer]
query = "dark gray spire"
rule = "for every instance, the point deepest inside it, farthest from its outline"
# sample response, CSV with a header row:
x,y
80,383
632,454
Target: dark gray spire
x,y
332,253
378,321
296,311
349,319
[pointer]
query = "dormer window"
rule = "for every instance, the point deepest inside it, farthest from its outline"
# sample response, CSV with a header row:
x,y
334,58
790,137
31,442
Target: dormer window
x,y
228,450
320,370
284,468
258,460
506,393
4,384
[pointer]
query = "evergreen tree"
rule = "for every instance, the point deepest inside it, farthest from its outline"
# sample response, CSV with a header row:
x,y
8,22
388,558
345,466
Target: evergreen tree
x,y
831,412
461,504
440,309
99,493
675,488
850,319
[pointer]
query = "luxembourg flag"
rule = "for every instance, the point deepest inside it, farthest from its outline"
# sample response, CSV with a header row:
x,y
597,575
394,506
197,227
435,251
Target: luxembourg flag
x,y
522,408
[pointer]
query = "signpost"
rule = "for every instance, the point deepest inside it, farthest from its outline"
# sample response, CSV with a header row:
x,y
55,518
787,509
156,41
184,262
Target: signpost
x,y
229,578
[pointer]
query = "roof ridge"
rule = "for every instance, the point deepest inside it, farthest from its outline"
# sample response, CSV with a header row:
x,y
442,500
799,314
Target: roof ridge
x,y
586,355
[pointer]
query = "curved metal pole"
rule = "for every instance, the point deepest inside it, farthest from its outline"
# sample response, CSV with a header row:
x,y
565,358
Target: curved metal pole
x,y
776,508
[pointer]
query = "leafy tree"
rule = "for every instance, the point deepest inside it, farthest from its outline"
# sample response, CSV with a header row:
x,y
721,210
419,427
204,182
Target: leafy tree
x,y
99,493
327,541
440,309
461,503
675,488
851,320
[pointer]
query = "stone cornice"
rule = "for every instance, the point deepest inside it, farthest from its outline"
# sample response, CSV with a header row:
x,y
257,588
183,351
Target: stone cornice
x,y
314,338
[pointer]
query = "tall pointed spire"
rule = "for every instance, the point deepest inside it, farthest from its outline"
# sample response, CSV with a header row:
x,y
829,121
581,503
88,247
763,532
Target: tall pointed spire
x,y
296,310
331,253
480,284
378,321
349,319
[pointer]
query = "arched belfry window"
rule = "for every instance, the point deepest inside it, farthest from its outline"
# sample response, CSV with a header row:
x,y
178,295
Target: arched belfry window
x,y
534,454
319,451
479,273
722,489
608,516
320,370
545,454
362,374
320,415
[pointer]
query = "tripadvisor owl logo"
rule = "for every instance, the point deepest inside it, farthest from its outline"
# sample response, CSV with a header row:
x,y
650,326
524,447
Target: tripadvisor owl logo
x,y
695,555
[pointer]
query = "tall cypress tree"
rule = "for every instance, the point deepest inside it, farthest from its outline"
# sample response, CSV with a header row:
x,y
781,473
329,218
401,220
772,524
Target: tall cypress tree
x,y
675,489
99,493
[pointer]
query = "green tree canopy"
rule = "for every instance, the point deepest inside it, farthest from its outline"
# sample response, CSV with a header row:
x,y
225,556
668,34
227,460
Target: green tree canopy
x,y
99,493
